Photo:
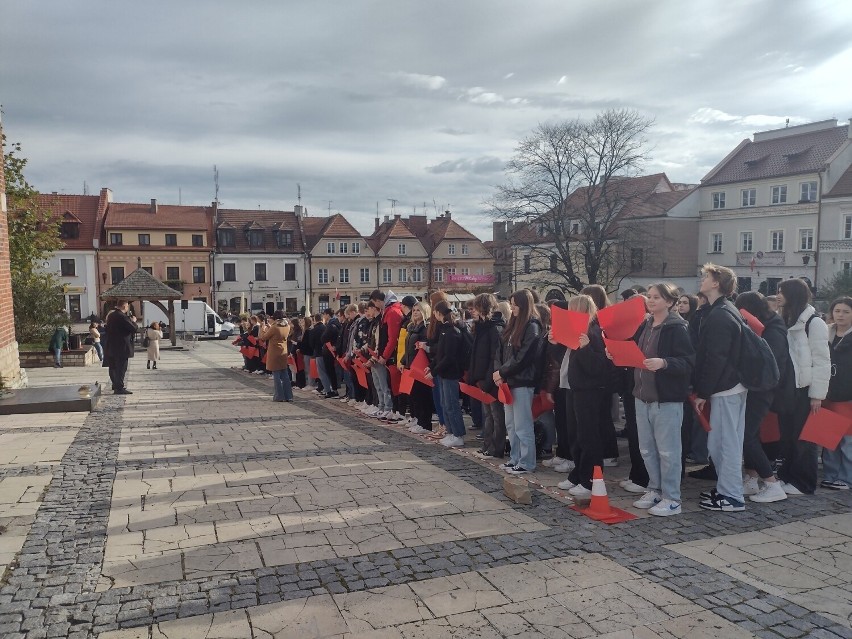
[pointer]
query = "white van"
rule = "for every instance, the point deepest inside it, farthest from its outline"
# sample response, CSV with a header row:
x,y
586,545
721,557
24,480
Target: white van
x,y
197,318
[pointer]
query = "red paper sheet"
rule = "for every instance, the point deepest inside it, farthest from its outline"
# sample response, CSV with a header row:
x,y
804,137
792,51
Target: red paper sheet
x,y
626,353
541,404
621,321
567,326
406,382
825,428
343,363
770,431
395,376
841,408
314,372
420,363
361,375
504,394
753,323
476,393
703,415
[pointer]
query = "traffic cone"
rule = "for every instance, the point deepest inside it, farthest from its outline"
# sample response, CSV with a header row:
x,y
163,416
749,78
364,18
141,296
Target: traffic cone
x,y
599,508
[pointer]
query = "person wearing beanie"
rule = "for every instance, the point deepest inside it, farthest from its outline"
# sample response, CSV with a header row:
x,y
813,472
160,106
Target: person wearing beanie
x,y
409,302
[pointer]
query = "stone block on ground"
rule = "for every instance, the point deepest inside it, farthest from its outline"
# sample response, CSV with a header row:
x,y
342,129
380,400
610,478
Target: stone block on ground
x,y
518,490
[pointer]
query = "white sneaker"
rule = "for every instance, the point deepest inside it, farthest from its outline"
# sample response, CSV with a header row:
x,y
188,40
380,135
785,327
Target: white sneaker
x,y
750,485
666,508
553,461
396,417
456,442
790,489
580,491
650,498
771,491
418,430
373,411
380,414
565,485
446,439
565,467
630,487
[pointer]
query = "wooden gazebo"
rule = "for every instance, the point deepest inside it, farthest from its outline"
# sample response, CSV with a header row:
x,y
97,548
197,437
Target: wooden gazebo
x,y
141,285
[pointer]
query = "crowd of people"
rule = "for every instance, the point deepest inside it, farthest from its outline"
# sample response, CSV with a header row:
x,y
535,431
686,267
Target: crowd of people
x,y
420,364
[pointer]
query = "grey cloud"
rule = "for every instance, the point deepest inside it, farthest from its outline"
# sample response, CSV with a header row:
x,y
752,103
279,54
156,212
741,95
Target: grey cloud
x,y
488,164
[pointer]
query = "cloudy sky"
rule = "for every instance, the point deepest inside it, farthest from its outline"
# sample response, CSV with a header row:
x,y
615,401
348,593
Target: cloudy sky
x,y
363,101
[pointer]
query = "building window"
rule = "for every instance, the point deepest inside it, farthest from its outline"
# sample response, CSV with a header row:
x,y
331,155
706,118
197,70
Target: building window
x,y
323,302
808,192
260,271
779,194
417,275
575,228
439,274
330,247
344,247
847,227
285,239
400,249
553,267
746,241
365,275
115,239
806,239
719,200
255,238
344,276
465,271
451,270
776,240
743,284
197,239
749,197
116,274
846,267
715,242
386,276
144,239
542,229
148,269
69,230
636,259
68,267
173,273
451,249
171,239
289,272
527,263
229,271
356,248
290,305
465,249
199,275
226,237
322,276
403,276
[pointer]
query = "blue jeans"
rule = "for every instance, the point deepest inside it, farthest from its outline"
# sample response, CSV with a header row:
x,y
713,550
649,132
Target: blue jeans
x,y
311,381
323,375
99,349
519,427
57,356
451,407
436,399
725,442
384,398
659,427
281,385
349,383
837,464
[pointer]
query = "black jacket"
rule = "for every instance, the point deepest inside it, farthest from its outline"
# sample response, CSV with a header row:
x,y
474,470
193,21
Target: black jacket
x,y
718,350
317,331
589,368
415,334
674,346
447,364
331,334
516,365
553,355
840,384
119,336
486,341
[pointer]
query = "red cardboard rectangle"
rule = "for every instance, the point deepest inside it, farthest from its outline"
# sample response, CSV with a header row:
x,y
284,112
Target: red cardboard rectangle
x,y
360,374
567,326
825,428
314,372
395,376
406,382
541,404
504,394
753,323
626,353
621,321
476,393
703,415
770,431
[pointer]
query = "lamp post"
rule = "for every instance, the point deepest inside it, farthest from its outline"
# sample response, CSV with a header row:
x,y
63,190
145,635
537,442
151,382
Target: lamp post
x,y
251,296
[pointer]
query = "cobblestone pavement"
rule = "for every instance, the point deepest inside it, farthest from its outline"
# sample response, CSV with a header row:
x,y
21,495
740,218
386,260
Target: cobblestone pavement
x,y
197,507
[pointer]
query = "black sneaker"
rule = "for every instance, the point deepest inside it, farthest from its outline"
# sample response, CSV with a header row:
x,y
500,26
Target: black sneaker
x,y
331,395
507,465
723,504
707,495
834,484
517,470
708,472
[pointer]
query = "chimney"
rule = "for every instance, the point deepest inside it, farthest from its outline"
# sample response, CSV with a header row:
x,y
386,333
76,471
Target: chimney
x,y
298,210
153,205
397,216
387,218
498,231
377,225
448,215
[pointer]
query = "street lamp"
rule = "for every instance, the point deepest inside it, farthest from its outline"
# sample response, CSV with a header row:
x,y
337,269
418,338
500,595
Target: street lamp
x,y
251,295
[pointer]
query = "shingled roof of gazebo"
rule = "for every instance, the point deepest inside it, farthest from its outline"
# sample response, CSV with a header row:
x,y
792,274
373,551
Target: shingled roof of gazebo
x,y
141,285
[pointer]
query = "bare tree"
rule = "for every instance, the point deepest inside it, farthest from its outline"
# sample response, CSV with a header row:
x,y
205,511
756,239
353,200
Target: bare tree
x,y
566,187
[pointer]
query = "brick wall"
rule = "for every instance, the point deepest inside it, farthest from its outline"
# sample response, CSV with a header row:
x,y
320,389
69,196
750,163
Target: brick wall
x,y
10,369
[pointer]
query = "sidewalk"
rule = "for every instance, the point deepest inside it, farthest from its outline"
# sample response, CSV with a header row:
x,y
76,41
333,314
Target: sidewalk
x,y
197,507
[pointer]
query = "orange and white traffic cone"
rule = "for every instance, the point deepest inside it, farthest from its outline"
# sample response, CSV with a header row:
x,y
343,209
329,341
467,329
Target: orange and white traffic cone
x,y
599,508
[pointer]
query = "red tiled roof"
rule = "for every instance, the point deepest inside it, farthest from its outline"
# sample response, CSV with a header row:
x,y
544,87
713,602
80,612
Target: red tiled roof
x,y
396,228
139,216
268,221
336,226
653,205
843,188
445,228
83,208
789,155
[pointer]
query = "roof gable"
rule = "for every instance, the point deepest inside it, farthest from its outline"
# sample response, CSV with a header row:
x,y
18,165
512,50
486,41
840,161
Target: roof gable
x,y
164,216
269,223
843,188
82,209
141,285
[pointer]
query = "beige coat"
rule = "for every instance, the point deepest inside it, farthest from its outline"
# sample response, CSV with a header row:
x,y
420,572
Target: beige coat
x,y
154,338
275,337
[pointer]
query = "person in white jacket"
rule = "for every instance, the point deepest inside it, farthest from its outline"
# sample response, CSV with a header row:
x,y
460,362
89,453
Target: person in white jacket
x,y
808,341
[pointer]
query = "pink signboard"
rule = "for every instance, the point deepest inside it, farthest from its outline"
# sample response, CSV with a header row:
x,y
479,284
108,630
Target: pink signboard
x,y
470,279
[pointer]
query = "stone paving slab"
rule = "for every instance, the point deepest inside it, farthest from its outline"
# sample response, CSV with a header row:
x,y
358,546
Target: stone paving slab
x,y
582,597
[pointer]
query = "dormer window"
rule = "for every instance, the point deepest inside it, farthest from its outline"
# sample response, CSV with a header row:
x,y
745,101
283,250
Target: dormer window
x,y
69,230
226,237
285,239
255,238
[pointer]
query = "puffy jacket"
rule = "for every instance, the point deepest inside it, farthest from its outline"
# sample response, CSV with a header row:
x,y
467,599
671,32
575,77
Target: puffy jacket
x,y
516,365
674,346
120,330
415,334
840,385
718,350
810,354
589,367
447,363
389,330
486,341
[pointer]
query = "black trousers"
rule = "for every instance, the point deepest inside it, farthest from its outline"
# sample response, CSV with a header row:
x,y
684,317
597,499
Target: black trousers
x,y
584,432
420,400
330,369
754,457
494,429
117,372
560,414
638,472
800,458
609,442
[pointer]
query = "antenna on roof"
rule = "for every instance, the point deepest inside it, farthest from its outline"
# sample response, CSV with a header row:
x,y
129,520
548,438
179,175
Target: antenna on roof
x,y
216,183
180,196
85,188
393,204
435,206
329,207
787,124
299,193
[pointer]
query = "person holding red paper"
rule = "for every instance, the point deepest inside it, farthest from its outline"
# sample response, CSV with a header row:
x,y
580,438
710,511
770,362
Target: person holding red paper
x,y
757,467
420,396
837,464
807,336
488,325
450,370
385,356
661,385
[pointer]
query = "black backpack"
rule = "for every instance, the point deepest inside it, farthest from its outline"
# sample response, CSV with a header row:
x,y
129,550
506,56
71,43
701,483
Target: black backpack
x,y
758,370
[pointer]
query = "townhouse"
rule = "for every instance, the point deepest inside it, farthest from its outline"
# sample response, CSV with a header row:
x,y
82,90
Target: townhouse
x,y
760,207
259,261
460,262
835,230
402,261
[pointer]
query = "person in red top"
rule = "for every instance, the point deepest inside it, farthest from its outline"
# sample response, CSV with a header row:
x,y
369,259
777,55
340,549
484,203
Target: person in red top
x,y
386,348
